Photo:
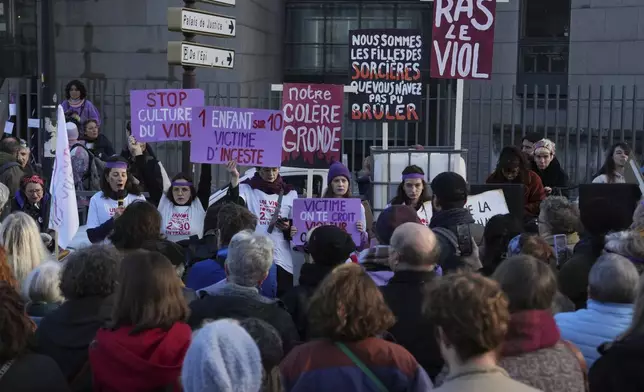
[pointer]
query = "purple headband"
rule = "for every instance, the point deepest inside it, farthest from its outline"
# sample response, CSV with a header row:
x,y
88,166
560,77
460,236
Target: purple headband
x,y
116,165
182,184
412,176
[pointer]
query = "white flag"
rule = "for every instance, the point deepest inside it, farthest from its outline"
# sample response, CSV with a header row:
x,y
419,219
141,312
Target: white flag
x,y
63,216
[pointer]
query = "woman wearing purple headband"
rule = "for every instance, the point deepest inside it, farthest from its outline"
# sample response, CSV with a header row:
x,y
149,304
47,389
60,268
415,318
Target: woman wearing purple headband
x,y
183,208
412,192
117,192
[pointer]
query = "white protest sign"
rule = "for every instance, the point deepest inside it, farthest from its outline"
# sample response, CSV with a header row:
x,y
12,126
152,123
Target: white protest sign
x,y
487,204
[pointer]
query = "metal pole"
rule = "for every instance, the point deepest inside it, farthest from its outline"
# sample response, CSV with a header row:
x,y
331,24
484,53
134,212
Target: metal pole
x,y
189,81
48,97
458,121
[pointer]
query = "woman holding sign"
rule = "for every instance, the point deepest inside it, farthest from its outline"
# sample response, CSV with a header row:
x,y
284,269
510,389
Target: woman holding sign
x,y
271,200
412,192
339,180
117,192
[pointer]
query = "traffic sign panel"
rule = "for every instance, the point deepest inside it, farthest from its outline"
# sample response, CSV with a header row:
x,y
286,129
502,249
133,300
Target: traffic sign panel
x,y
230,3
200,22
198,55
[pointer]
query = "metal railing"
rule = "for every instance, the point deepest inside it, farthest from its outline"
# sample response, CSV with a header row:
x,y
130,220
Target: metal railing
x,y
583,121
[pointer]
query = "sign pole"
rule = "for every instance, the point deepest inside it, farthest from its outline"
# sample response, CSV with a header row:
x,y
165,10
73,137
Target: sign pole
x,y
189,81
309,173
385,136
458,120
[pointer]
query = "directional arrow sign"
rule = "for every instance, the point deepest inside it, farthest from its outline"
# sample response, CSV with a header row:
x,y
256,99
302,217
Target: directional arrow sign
x,y
200,22
230,3
197,55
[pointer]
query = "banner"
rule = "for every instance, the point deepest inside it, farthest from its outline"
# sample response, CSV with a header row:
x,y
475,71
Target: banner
x,y
312,125
162,115
311,213
487,204
63,213
463,39
385,70
252,137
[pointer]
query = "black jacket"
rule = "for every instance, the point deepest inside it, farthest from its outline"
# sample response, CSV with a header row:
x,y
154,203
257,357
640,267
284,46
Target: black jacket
x,y
296,300
406,295
40,214
146,169
573,275
240,307
553,176
101,147
33,373
450,219
66,333
620,368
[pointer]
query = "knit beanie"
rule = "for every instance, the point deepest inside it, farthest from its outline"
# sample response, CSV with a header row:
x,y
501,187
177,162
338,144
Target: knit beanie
x,y
338,169
330,245
222,357
449,187
391,218
72,131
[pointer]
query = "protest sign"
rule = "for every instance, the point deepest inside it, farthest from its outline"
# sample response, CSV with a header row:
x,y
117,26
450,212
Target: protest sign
x,y
252,137
385,70
311,213
312,125
463,39
162,115
487,204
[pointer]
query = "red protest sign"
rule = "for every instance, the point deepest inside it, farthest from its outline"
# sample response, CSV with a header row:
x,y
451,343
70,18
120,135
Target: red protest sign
x,y
463,39
312,125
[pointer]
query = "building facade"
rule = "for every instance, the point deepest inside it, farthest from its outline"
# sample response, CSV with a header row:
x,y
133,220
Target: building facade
x,y
571,69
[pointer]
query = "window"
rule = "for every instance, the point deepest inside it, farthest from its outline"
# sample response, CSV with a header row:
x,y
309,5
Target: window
x,y
299,183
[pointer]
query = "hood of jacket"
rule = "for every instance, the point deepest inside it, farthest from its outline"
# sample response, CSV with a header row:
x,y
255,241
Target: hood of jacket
x,y
530,330
5,157
553,175
144,361
74,324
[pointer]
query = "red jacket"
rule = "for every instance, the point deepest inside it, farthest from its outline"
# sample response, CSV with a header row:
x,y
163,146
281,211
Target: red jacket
x,y
533,192
146,361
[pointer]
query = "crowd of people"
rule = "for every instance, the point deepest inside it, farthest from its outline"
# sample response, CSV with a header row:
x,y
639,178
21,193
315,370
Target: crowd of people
x,y
175,294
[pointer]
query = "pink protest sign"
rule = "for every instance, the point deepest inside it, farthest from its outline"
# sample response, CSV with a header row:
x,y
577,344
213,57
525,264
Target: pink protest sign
x,y
313,124
463,39
252,137
311,213
162,115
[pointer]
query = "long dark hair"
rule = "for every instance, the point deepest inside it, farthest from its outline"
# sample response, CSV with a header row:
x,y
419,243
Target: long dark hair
x,y
193,191
79,85
401,196
511,158
499,230
130,187
608,168
149,294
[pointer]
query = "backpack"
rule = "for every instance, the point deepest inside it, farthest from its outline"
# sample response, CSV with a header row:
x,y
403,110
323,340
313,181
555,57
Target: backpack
x,y
91,180
457,259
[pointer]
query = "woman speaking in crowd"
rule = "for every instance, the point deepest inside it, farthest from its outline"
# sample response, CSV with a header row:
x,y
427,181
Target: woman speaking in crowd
x,y
117,192
339,180
271,200
412,192
612,172
34,200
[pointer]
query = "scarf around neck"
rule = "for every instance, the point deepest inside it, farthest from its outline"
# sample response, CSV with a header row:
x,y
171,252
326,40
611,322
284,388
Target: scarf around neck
x,y
530,330
75,103
270,188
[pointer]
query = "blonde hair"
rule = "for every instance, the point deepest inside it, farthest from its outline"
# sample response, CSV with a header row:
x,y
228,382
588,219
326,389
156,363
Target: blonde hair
x,y
20,237
43,283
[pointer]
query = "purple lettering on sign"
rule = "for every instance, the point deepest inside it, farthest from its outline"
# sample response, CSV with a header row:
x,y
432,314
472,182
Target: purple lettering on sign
x,y
252,137
311,213
463,39
162,115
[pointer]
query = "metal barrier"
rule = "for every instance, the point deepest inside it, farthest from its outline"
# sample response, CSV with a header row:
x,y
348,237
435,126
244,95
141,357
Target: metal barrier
x,y
582,120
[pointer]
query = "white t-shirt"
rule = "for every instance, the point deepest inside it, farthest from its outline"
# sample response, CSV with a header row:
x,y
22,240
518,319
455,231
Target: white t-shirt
x,y
424,212
263,206
603,179
101,209
180,222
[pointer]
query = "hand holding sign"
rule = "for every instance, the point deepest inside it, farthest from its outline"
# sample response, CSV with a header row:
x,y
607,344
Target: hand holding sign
x,y
231,166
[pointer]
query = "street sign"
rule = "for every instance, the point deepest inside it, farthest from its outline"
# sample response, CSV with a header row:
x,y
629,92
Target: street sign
x,y
200,22
198,55
228,3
